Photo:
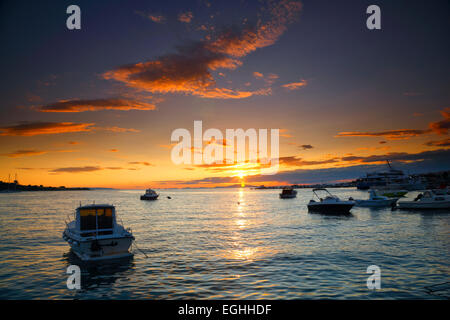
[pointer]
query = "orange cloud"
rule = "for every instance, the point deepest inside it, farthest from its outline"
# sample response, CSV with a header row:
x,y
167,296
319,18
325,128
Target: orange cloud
x,y
37,128
441,127
96,105
157,18
188,70
257,74
295,85
185,17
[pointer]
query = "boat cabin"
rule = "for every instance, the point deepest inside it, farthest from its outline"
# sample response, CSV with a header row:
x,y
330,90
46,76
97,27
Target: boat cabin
x,y
95,220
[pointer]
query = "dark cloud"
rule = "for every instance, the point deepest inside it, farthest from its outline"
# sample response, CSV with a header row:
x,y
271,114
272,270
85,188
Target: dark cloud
x,y
390,134
140,162
37,128
76,169
24,153
439,143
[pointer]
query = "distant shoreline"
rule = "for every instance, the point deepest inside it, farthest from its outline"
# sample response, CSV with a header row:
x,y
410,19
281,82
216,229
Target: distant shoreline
x,y
6,187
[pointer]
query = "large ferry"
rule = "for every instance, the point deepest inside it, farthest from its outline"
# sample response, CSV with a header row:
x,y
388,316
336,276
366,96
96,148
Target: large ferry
x,y
390,179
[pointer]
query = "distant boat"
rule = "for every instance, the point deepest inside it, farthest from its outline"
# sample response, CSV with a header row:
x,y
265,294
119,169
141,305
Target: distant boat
x,y
149,195
94,234
427,200
376,200
288,193
330,204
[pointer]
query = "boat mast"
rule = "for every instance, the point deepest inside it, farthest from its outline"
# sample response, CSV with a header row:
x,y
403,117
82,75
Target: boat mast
x,y
389,164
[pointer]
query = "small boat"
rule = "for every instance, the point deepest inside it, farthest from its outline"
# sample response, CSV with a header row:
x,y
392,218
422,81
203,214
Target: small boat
x,y
94,234
330,204
376,200
149,195
391,193
427,200
288,193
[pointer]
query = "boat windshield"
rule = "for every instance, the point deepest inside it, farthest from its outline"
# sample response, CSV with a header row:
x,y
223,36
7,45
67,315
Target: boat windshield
x,y
96,218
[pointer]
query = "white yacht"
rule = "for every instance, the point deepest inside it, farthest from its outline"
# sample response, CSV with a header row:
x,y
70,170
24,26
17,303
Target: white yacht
x,y
150,195
427,200
94,234
330,204
376,200
288,193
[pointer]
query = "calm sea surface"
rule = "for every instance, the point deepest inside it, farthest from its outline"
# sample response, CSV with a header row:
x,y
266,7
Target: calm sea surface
x,y
225,244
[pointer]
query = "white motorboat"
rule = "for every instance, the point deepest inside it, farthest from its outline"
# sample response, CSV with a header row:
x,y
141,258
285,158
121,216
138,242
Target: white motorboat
x,y
94,234
330,204
427,200
288,193
150,195
376,200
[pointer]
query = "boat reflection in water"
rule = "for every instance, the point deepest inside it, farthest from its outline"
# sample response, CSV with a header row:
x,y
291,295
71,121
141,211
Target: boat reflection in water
x,y
95,274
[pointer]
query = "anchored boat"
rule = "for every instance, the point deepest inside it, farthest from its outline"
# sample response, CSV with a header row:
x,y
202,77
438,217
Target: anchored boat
x,y
427,200
150,195
288,193
376,200
330,204
94,234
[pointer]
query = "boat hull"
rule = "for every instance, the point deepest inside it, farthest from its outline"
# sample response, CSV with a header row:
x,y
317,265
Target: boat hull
x,y
101,249
417,205
334,208
376,203
144,197
288,196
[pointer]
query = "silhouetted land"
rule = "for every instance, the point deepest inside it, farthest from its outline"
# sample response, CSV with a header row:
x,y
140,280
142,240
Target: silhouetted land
x,y
5,186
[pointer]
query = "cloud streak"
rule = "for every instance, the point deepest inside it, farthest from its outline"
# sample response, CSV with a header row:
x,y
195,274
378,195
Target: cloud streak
x,y
38,128
439,127
295,85
96,105
390,134
24,153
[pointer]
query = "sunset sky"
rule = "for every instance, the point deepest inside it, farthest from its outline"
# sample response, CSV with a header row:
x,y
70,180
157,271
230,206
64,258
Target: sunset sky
x,y
96,107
